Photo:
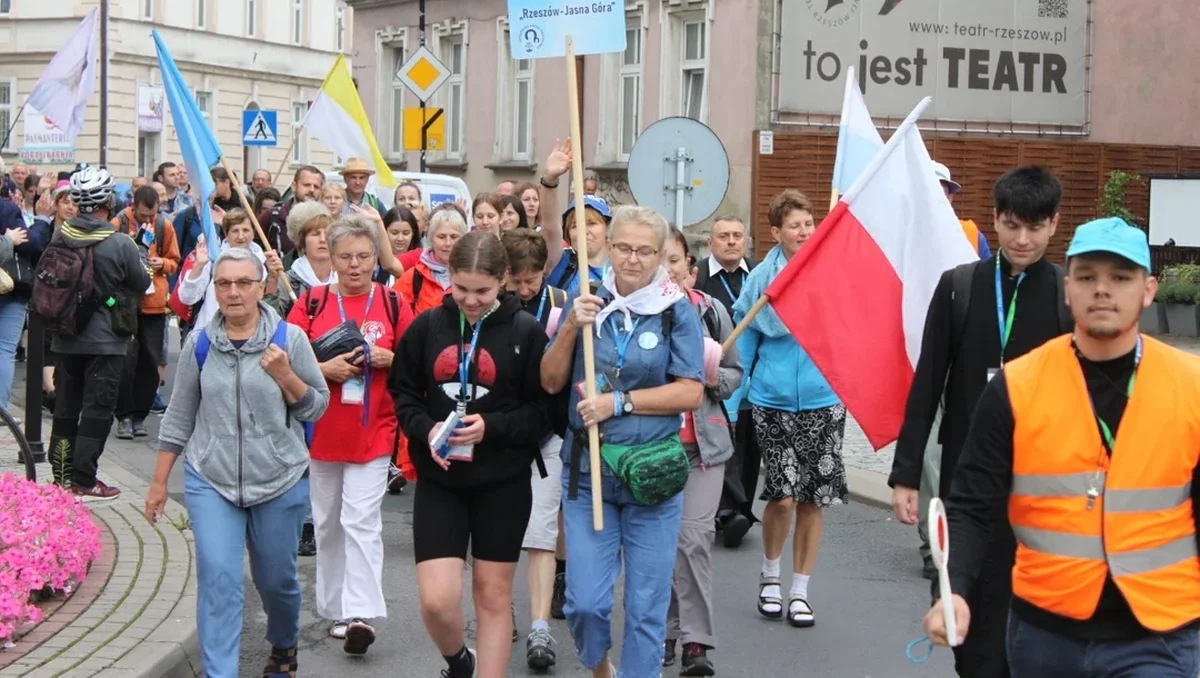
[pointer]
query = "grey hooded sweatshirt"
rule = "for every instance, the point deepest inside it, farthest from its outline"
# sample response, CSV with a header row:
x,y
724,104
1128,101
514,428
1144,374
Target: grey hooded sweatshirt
x,y
231,422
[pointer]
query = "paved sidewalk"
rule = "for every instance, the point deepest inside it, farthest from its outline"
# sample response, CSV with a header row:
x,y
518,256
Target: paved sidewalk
x,y
134,615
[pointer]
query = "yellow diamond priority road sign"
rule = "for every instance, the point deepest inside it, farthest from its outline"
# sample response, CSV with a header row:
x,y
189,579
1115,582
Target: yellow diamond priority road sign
x,y
423,73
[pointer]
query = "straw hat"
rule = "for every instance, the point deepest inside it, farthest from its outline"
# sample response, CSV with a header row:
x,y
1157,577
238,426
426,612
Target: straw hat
x,y
356,166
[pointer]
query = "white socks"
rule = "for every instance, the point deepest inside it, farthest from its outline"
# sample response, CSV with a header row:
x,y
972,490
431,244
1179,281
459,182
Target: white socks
x,y
770,568
799,586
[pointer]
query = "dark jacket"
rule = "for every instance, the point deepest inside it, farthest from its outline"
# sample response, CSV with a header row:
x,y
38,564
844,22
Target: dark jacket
x,y
715,285
505,386
11,217
120,271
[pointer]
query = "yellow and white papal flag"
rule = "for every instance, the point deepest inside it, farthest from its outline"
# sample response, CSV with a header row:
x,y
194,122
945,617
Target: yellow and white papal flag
x,y
337,118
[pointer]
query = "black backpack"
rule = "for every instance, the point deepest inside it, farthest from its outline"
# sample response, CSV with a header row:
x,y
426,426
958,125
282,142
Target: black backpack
x,y
64,287
160,225
960,299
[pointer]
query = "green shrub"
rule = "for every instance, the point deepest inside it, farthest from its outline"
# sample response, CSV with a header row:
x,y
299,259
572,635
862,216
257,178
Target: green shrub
x,y
1188,273
1178,292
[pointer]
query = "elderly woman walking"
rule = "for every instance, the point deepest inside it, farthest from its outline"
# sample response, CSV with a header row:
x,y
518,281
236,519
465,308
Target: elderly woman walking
x,y
650,352
244,386
425,284
355,325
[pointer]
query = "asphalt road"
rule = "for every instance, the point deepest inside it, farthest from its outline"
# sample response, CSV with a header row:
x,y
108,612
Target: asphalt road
x,y
867,593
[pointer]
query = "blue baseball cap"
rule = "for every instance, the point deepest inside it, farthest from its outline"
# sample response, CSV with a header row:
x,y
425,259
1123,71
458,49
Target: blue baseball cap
x,y
593,202
1115,236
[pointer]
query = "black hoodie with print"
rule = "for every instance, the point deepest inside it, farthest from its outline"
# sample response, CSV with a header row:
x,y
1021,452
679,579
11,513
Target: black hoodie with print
x,y
505,386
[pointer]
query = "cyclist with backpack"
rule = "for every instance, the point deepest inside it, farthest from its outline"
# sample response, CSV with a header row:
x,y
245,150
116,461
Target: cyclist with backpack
x,y
88,290
649,355
983,314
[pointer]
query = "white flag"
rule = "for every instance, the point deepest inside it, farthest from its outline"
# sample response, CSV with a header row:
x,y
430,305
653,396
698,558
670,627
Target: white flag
x,y
62,93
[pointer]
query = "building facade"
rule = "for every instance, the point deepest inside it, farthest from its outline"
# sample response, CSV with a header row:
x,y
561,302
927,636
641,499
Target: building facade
x,y
236,55
503,116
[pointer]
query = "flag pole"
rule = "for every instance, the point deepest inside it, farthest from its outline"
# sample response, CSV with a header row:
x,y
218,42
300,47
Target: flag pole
x,y
288,154
237,188
13,125
589,349
833,199
741,327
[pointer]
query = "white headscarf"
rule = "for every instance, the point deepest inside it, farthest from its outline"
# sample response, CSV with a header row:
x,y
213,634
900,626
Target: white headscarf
x,y
652,299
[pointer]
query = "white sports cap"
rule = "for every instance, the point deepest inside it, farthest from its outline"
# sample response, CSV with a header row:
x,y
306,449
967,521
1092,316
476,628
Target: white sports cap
x,y
943,174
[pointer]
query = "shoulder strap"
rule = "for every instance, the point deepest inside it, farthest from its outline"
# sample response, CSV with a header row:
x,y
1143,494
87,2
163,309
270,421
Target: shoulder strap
x,y
393,306
1066,321
280,336
701,274
202,346
558,298
160,226
960,296
668,323
418,281
315,305
569,270
710,321
123,219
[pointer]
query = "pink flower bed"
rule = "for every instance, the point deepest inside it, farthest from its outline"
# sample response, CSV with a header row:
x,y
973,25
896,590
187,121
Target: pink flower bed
x,y
47,541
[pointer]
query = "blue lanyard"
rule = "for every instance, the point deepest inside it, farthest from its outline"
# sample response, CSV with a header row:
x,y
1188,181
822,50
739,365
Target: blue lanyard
x,y
1005,320
542,303
366,404
466,354
1106,433
622,345
729,289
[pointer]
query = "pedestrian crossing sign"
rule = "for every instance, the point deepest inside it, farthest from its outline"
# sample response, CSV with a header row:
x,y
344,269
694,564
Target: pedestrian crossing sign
x,y
260,128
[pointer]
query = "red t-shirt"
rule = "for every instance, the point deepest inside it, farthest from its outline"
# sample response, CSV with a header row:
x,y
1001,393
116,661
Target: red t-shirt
x,y
339,436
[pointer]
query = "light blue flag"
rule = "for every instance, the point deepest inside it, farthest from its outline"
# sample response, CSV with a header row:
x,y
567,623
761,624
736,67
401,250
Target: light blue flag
x,y
196,142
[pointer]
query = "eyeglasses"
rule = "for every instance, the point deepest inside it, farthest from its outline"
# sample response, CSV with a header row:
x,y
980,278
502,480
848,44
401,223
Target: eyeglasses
x,y
243,285
363,257
625,250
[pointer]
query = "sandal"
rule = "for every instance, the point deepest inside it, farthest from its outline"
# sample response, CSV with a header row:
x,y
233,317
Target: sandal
x,y
800,619
338,630
359,636
763,601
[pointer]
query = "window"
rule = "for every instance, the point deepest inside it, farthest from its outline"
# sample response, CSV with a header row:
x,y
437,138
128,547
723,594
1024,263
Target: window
x,y
297,21
251,17
147,149
204,101
5,6
396,102
692,64
340,28
522,110
147,9
201,13
630,97
300,148
454,56
8,89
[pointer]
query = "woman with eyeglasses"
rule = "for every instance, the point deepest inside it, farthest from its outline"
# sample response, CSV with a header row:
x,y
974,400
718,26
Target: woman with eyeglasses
x,y
354,325
649,357
245,385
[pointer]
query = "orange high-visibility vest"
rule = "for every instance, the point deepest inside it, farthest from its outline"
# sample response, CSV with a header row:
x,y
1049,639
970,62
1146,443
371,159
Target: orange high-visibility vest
x,y
1141,527
972,232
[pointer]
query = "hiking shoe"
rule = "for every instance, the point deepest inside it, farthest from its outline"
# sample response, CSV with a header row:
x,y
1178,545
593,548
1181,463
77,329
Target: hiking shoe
x,y
282,663
669,652
539,653
99,491
465,673
560,596
139,429
735,529
125,430
695,661
359,636
929,570
396,480
159,406
308,541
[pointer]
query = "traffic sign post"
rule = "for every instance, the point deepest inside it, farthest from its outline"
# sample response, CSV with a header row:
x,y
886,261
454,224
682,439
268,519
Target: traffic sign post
x,y
260,128
537,30
423,73
424,128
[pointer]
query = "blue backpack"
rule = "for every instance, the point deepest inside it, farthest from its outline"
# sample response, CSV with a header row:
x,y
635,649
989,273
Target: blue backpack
x,y
203,344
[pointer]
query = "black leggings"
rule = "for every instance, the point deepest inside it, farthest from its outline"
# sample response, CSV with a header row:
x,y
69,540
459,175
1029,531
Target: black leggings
x,y
491,518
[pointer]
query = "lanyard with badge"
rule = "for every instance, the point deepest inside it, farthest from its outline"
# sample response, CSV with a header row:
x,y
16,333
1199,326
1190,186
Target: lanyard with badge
x,y
725,282
1004,320
1094,489
622,343
465,355
542,303
356,390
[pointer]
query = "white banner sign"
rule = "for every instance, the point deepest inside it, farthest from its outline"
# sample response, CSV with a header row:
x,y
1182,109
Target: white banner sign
x,y
45,143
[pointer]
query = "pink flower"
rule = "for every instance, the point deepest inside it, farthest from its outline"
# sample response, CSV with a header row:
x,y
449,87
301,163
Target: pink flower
x,y
47,537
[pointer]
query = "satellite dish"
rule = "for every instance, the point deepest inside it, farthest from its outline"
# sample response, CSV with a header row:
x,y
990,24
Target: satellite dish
x,y
679,167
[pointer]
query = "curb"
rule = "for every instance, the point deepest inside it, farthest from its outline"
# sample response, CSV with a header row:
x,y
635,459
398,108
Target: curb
x,y
869,487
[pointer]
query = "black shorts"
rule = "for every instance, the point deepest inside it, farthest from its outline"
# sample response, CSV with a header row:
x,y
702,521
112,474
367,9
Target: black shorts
x,y
492,518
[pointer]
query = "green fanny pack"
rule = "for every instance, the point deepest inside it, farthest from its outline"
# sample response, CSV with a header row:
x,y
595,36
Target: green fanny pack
x,y
653,472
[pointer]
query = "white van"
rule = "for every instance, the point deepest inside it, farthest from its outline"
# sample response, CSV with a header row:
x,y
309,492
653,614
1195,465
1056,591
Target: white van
x,y
435,188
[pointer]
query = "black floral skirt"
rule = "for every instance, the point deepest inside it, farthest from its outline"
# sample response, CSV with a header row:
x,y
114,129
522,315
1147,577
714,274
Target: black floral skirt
x,y
802,454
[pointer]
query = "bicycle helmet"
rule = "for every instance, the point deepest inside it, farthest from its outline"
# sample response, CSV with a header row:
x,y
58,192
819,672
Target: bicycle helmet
x,y
91,188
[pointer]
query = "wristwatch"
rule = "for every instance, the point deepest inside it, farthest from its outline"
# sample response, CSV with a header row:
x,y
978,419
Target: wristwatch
x,y
547,184
626,402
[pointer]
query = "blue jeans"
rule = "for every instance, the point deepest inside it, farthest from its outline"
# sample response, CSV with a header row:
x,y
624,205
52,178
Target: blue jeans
x,y
12,322
645,536
222,532
1034,652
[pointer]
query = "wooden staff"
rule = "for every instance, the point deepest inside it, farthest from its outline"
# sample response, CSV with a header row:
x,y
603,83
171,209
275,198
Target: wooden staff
x,y
288,154
741,327
589,348
237,188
